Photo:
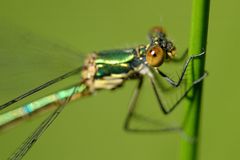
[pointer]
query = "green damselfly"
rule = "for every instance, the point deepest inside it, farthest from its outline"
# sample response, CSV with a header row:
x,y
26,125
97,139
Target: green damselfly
x,y
108,70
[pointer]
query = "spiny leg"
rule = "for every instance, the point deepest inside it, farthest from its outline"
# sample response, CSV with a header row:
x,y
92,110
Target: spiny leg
x,y
31,140
161,105
172,82
175,60
164,108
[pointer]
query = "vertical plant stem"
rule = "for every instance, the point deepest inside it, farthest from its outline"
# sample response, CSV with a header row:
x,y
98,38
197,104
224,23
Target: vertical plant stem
x,y
198,41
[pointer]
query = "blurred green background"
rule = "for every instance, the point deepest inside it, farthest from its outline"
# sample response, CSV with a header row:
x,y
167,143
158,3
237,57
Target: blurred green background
x,y
92,127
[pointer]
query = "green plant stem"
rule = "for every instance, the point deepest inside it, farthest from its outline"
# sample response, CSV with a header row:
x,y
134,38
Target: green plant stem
x,y
198,41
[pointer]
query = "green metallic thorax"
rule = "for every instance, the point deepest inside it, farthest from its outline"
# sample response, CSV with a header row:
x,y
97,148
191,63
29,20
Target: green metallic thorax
x,y
115,56
114,62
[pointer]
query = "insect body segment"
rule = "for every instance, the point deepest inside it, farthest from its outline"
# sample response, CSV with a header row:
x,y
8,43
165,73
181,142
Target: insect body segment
x,y
114,62
115,56
109,69
40,103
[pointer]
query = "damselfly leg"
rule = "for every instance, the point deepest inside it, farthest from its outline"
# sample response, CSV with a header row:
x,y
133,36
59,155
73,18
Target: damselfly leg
x,y
165,110
174,83
132,104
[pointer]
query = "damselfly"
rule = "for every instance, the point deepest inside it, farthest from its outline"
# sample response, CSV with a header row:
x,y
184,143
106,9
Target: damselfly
x,y
108,70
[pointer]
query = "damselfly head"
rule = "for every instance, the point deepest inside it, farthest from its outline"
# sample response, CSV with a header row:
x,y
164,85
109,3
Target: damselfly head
x,y
160,48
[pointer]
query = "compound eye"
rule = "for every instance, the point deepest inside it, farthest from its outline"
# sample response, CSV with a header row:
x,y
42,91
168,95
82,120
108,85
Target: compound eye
x,y
155,56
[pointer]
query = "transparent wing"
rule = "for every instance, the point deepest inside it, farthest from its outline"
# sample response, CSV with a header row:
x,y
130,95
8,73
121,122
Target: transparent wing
x,y
26,61
148,116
